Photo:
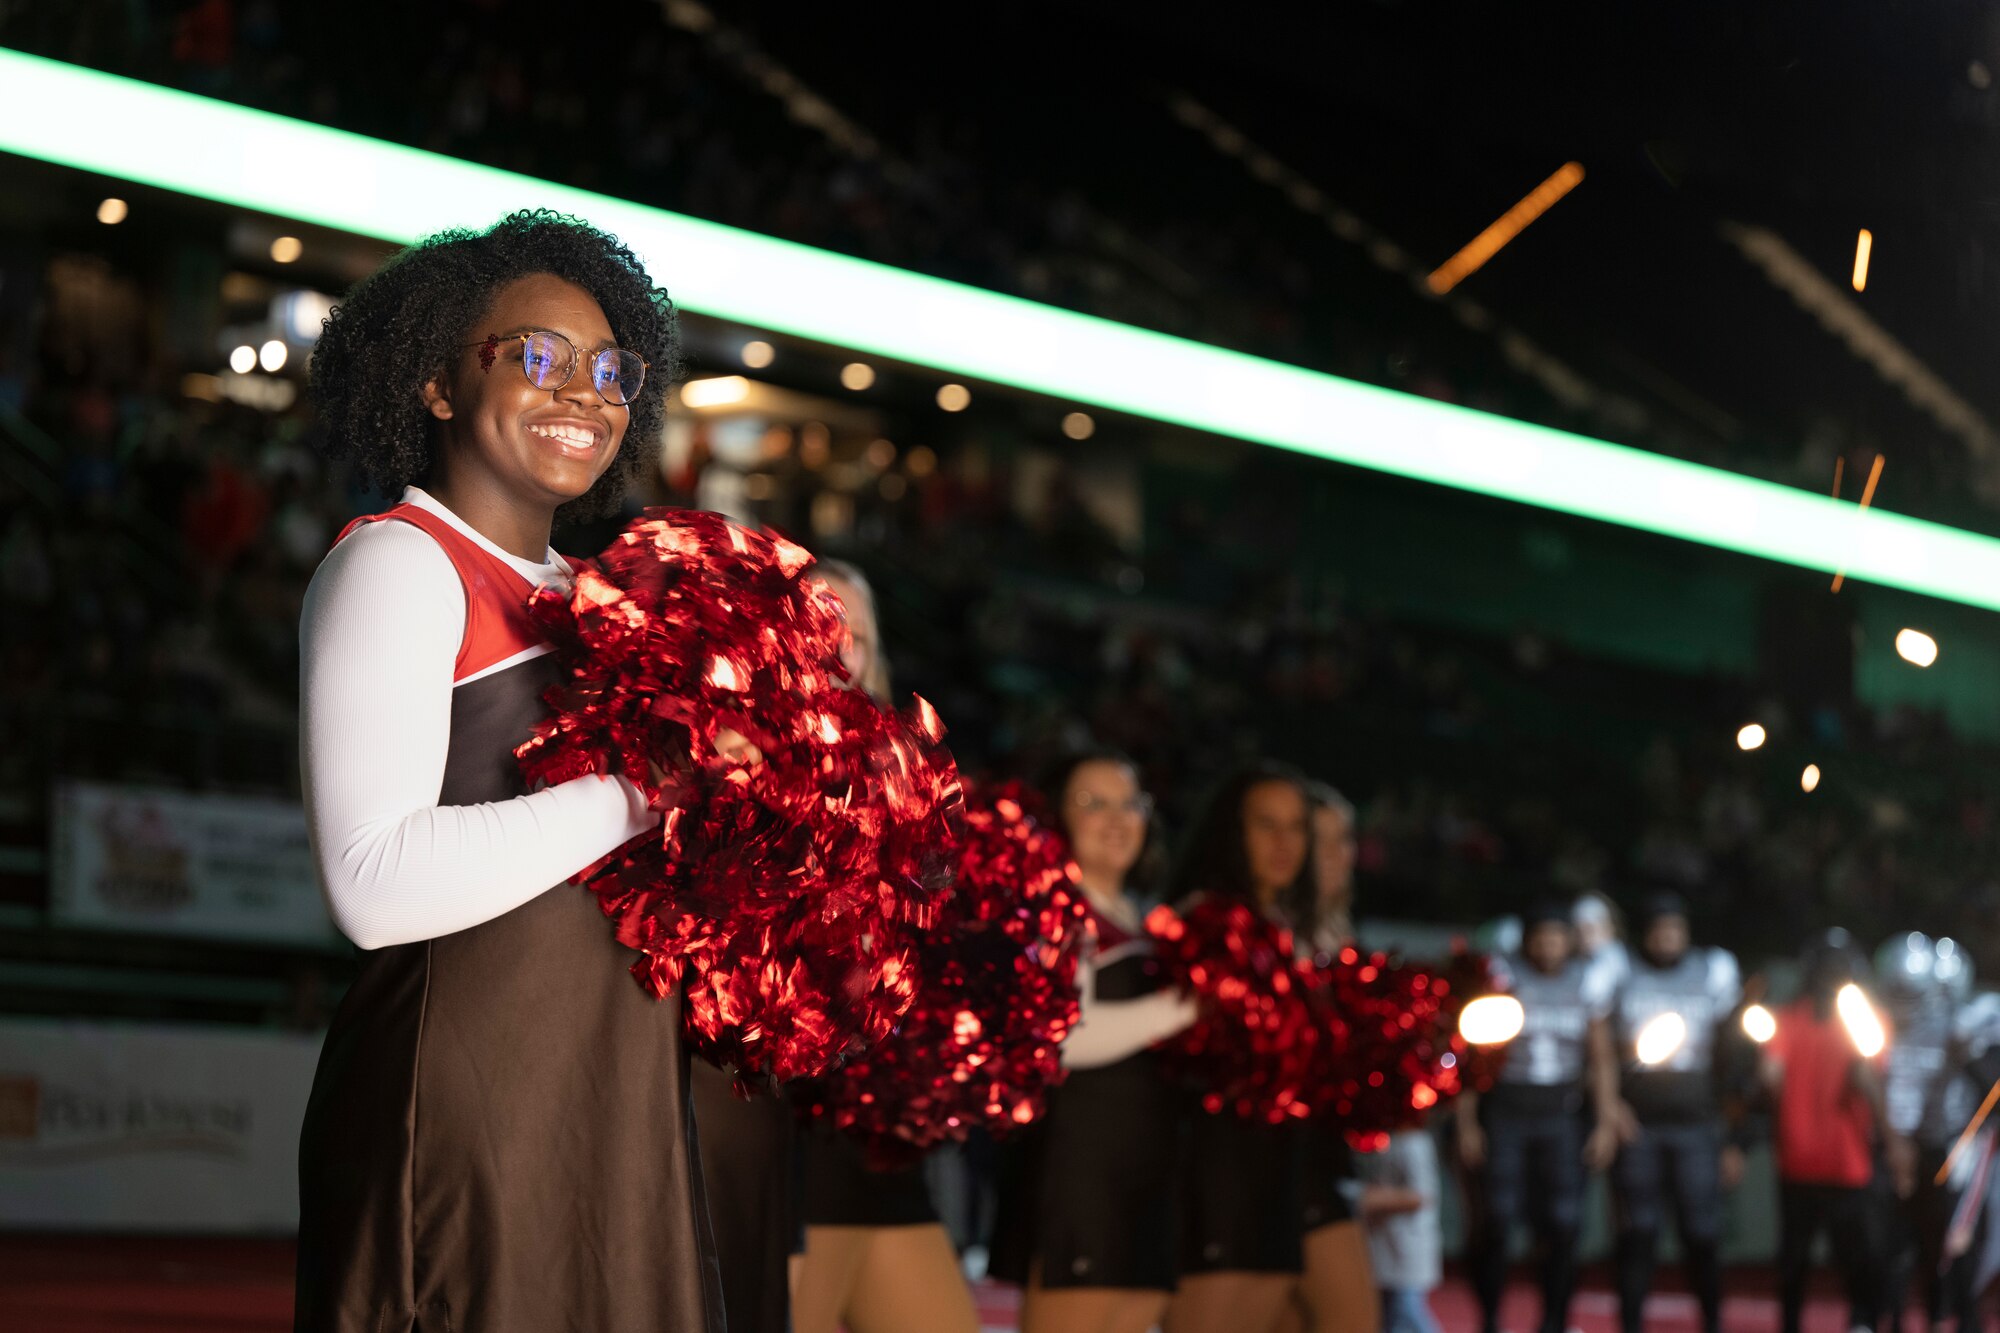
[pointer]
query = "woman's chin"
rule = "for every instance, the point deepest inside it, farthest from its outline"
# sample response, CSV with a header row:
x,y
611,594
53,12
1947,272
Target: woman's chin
x,y
567,483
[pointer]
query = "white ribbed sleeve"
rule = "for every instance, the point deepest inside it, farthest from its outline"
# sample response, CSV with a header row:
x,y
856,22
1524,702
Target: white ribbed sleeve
x,y
1109,1030
379,636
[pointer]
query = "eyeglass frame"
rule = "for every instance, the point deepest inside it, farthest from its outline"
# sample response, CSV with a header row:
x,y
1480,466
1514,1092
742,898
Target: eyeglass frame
x,y
1141,805
489,352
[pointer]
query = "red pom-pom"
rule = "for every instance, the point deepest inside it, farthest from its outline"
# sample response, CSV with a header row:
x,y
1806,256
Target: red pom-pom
x,y
785,893
1253,1051
996,995
1392,1052
1470,975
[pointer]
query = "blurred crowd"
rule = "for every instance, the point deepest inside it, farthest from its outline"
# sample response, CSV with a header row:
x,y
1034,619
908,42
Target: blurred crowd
x,y
159,573
702,119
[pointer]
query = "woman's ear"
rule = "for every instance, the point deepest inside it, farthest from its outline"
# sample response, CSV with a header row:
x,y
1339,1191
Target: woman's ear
x,y
437,397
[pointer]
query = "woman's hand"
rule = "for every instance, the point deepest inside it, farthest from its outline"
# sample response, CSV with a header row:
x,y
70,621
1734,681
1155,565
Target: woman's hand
x,y
737,748
1601,1147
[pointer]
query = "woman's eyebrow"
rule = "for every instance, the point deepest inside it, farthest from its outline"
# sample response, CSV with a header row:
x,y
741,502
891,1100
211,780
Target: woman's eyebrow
x,y
595,345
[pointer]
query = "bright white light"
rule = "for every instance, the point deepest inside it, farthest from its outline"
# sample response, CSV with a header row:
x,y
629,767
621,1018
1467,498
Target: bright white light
x,y
1809,780
1079,426
127,130
1661,1037
717,392
757,354
954,397
857,375
1491,1020
1864,1027
243,360
287,249
1916,647
302,314
271,356
1759,1024
112,212
1750,737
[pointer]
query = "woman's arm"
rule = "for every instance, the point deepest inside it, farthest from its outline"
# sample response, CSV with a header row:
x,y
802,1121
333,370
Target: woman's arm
x,y
1380,1201
1110,1030
378,639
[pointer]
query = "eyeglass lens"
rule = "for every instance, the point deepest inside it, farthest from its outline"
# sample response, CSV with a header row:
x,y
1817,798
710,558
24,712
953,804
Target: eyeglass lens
x,y
550,360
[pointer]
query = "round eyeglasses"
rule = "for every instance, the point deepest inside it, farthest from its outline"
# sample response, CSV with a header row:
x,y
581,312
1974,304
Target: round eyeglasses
x,y
1090,803
549,360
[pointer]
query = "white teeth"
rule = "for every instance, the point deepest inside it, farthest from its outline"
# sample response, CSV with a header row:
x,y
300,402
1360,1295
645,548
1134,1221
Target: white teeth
x,y
571,435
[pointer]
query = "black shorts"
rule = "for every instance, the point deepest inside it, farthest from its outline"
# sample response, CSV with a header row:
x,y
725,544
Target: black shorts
x,y
840,1190
1090,1197
1241,1201
1326,1176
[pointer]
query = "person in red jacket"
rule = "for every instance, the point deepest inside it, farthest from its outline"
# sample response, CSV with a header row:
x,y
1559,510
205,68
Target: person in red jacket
x,y
1828,1119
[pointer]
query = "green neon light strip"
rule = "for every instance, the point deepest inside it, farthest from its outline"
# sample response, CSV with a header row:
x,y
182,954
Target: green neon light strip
x,y
135,131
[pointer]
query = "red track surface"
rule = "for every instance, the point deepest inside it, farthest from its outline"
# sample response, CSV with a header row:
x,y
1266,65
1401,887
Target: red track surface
x,y
147,1285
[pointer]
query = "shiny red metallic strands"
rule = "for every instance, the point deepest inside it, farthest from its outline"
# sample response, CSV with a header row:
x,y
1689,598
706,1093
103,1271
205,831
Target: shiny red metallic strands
x,y
996,993
1255,1050
1470,976
786,896
1390,1050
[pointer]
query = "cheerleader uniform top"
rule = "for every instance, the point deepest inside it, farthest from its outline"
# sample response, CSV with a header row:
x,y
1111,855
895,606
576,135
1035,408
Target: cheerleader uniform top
x,y
499,1135
1090,1195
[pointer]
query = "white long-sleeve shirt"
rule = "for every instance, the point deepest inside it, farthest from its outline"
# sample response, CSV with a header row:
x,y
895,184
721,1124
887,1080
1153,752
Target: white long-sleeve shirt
x,y
379,638
1109,1030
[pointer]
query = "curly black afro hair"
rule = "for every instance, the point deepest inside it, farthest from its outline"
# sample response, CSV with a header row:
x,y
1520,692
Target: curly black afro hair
x,y
405,322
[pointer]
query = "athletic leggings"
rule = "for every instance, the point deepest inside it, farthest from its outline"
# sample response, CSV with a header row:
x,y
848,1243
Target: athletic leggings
x,y
1852,1220
1534,1174
1677,1166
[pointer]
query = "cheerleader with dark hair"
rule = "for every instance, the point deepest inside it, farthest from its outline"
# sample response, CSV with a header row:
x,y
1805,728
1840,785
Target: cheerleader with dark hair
x,y
877,1257
1242,1253
1089,1196
498,1136
1336,1294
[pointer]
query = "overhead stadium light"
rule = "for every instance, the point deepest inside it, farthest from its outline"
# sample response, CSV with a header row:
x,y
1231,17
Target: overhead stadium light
x,y
1504,229
717,391
308,173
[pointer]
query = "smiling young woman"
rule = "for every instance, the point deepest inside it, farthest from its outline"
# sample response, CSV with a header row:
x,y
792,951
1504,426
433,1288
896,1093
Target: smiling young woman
x,y
1242,1249
1089,1198
499,1133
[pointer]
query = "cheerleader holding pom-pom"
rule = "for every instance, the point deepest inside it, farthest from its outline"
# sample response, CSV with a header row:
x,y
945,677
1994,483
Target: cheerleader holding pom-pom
x,y
1252,1056
498,1133
1089,1197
